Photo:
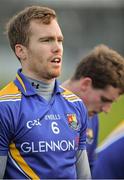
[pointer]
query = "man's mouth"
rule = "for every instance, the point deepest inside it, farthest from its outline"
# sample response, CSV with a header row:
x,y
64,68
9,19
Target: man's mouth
x,y
56,60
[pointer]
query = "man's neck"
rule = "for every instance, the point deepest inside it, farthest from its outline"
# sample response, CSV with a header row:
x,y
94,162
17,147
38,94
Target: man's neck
x,y
71,85
66,84
43,89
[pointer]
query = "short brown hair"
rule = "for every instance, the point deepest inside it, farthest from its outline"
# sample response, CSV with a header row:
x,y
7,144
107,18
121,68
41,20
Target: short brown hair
x,y
104,66
17,28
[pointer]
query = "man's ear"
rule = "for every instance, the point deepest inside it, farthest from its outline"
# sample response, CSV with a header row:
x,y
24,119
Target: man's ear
x,y
20,51
86,83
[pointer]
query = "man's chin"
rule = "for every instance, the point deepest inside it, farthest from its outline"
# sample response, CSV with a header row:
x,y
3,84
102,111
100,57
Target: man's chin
x,y
55,74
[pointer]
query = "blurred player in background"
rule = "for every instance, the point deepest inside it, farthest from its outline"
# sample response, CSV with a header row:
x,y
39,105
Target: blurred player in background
x,y
99,81
110,158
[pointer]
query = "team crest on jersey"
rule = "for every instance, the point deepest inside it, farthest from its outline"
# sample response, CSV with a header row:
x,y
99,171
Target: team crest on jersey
x,y
90,136
72,120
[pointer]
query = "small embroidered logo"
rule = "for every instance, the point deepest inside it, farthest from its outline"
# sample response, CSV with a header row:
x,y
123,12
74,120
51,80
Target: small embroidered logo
x,y
72,120
31,124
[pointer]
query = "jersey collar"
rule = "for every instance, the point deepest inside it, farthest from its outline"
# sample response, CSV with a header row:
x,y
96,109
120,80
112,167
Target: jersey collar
x,y
26,88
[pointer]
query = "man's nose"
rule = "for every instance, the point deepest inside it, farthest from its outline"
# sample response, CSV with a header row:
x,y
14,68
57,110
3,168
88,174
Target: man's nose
x,y
57,47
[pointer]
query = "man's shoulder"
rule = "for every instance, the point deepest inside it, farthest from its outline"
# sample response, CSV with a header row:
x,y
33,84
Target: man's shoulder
x,y
69,96
10,93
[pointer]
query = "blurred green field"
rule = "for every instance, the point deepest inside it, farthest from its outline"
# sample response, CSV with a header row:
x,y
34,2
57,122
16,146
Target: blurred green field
x,y
109,121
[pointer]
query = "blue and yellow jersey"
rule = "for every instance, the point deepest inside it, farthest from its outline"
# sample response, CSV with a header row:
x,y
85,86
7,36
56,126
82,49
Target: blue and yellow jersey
x,y
40,138
110,160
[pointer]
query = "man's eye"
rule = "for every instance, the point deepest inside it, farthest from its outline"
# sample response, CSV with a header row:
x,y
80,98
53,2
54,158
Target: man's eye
x,y
60,40
47,40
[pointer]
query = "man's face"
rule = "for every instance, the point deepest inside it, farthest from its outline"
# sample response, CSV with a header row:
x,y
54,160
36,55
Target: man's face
x,y
44,52
100,100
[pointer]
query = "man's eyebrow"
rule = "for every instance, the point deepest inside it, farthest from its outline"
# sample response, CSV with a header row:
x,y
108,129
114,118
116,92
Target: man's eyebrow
x,y
50,37
45,37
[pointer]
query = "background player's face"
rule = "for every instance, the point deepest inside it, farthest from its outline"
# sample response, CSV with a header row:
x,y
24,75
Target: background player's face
x,y
100,100
43,56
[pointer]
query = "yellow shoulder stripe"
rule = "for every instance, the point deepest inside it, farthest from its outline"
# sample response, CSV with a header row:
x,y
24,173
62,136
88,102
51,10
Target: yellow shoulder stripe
x,y
69,95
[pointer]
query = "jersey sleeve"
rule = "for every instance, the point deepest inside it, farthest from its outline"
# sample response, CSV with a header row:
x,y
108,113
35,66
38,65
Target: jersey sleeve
x,y
84,121
91,147
5,130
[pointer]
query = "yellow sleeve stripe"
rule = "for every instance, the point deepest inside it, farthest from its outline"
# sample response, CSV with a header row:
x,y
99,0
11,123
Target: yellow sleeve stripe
x,y
10,96
70,96
21,82
67,93
22,163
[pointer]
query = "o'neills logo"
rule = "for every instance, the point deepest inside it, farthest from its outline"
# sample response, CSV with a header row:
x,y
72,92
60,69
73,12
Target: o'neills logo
x,y
72,120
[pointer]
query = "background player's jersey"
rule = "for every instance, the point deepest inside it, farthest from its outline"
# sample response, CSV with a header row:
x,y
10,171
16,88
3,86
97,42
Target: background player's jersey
x,y
92,138
41,138
110,161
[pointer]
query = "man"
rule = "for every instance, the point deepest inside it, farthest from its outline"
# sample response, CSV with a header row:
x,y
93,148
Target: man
x,y
42,130
98,80
110,161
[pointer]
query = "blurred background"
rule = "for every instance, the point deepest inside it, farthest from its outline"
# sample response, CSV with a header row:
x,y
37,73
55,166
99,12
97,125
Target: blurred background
x,y
85,24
